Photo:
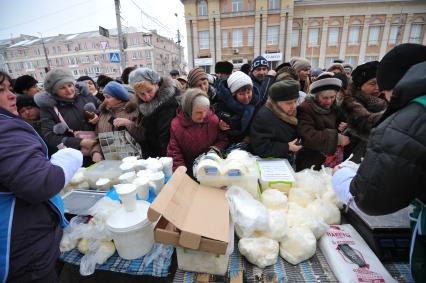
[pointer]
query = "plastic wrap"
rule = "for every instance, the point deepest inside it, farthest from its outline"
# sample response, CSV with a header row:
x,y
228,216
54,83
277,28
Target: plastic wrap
x,y
274,199
299,196
259,251
247,213
97,256
298,245
277,229
326,210
298,216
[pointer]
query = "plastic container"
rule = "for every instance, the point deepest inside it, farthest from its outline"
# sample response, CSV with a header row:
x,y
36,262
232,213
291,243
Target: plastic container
x,y
142,187
103,169
103,184
127,167
157,180
132,232
167,166
127,177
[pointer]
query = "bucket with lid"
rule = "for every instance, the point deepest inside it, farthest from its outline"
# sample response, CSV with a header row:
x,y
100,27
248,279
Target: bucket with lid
x,y
132,232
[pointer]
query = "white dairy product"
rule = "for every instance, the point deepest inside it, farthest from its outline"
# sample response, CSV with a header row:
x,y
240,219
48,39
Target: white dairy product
x,y
298,245
259,251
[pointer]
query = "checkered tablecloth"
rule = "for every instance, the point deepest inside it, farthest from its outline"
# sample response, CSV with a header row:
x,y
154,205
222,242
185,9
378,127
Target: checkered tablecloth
x,y
158,267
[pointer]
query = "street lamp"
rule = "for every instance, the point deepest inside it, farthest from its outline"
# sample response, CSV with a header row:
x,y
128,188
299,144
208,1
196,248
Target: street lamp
x,y
45,53
178,37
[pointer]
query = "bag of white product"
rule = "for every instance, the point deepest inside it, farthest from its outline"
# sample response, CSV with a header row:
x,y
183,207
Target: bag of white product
x,y
248,214
299,216
299,245
259,251
326,210
350,258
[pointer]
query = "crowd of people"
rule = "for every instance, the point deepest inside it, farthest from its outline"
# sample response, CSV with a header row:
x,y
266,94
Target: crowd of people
x,y
313,118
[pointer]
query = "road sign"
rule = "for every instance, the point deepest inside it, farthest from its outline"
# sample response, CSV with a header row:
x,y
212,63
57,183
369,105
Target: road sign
x,y
103,31
114,57
104,45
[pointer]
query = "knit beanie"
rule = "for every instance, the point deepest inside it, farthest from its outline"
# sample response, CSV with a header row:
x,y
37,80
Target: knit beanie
x,y
24,101
396,63
325,81
144,74
188,99
237,80
315,72
284,90
23,83
336,66
85,78
116,90
299,63
56,78
195,75
174,72
363,73
223,67
259,61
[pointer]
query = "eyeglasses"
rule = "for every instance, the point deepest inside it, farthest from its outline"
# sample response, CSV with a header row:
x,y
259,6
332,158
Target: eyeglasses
x,y
260,63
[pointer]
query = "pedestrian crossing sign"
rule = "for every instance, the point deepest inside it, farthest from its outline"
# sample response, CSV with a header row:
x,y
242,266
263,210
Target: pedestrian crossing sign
x,y
114,57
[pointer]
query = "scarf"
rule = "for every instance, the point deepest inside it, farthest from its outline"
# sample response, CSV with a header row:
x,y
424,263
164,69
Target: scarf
x,y
311,100
276,110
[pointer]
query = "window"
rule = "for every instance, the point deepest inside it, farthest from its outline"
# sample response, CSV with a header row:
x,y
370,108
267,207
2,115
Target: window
x,y
136,55
225,39
59,49
250,36
84,59
237,37
295,38
147,54
54,49
250,6
333,36
393,36
72,61
314,62
373,38
354,35
95,58
237,5
28,65
416,30
147,40
272,35
370,58
313,37
75,72
202,8
93,45
353,60
203,37
274,4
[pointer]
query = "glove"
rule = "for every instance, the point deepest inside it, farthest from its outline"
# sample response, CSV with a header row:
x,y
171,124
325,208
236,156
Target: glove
x,y
341,182
60,129
70,160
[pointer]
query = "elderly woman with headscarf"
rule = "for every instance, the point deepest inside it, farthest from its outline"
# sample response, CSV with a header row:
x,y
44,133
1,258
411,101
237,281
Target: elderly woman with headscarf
x,y
319,124
194,130
157,102
66,109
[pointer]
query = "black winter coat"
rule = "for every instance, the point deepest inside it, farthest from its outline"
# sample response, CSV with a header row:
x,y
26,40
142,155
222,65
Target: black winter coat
x,y
263,87
393,172
156,118
269,135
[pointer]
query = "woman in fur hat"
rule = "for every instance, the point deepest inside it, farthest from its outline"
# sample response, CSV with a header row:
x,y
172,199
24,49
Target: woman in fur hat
x,y
273,131
319,124
157,103
194,130
76,106
363,108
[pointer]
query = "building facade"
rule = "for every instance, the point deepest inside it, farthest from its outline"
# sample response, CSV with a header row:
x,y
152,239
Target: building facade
x,y
89,53
319,30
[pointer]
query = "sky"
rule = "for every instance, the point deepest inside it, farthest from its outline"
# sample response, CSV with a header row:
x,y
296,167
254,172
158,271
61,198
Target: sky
x,y
53,17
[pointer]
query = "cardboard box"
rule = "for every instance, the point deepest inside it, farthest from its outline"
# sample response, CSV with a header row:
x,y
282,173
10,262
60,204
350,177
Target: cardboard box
x,y
190,215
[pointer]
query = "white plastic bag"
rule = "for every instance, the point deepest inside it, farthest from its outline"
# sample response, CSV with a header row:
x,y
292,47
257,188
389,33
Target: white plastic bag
x,y
299,196
88,262
326,210
310,181
298,245
277,225
298,216
259,251
274,199
248,214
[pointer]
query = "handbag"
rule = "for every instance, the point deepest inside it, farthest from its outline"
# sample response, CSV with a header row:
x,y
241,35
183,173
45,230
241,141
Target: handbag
x,y
77,134
334,159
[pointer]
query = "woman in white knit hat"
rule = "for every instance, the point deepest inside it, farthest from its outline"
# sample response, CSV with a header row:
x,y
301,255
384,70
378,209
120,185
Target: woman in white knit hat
x,y
237,100
303,69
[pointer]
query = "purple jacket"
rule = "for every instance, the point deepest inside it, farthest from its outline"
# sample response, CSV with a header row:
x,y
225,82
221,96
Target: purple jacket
x,y
188,139
30,230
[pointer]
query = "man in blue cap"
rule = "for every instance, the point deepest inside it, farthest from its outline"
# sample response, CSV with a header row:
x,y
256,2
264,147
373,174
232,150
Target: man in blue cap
x,y
262,77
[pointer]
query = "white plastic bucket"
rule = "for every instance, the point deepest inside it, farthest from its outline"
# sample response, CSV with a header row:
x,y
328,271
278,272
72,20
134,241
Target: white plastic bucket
x,y
132,232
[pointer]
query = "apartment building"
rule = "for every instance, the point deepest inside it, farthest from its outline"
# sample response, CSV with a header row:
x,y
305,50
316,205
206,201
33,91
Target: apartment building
x,y
320,30
89,53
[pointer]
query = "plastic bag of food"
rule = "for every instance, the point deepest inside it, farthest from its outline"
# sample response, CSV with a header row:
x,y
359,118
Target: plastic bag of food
x,y
326,210
298,216
274,199
248,214
259,251
277,225
299,245
73,232
88,262
299,196
310,181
